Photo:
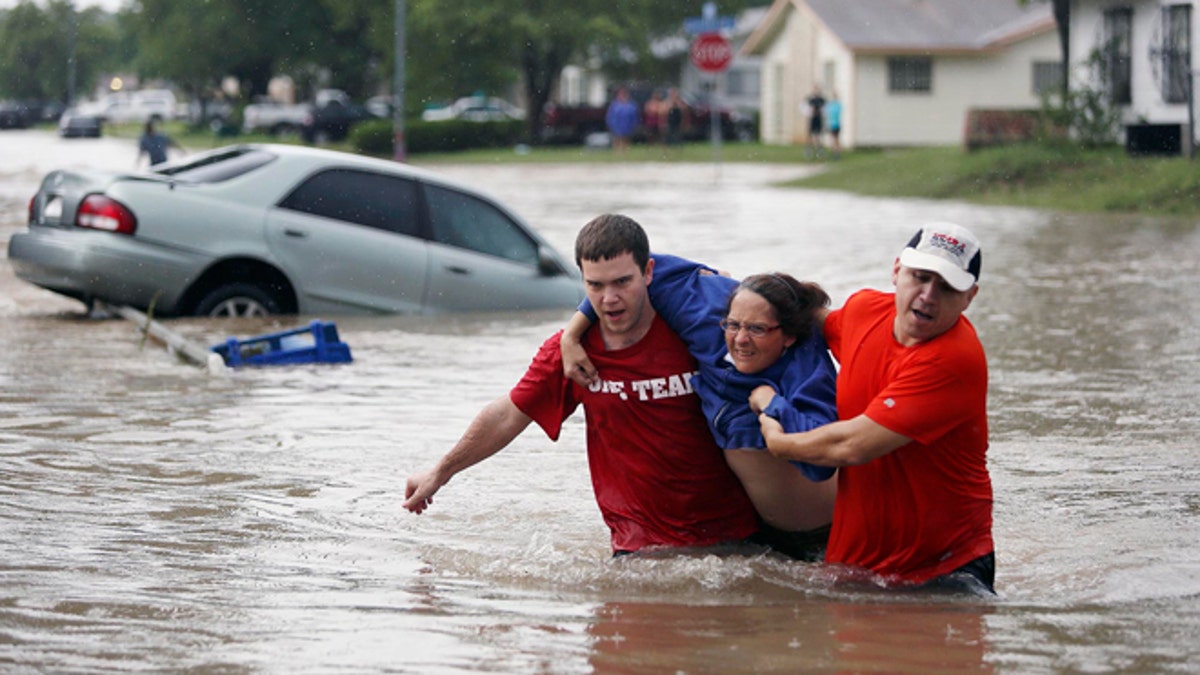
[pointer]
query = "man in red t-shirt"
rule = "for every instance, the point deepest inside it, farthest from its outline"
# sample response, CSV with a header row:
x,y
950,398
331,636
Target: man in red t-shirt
x,y
658,476
914,500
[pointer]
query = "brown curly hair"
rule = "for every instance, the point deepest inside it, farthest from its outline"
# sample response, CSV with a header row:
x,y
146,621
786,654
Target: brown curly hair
x,y
795,302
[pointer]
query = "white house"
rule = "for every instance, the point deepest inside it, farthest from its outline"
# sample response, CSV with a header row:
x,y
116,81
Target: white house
x,y
1145,51
905,71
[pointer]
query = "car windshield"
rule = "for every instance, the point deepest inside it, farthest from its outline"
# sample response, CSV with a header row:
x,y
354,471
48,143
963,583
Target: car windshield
x,y
219,166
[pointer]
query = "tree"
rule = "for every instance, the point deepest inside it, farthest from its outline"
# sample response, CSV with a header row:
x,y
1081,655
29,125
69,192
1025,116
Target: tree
x,y
196,44
453,48
1087,110
534,39
317,44
186,43
35,45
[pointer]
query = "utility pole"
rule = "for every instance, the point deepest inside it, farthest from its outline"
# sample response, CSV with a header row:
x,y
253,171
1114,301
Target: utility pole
x,y
1191,104
400,154
72,30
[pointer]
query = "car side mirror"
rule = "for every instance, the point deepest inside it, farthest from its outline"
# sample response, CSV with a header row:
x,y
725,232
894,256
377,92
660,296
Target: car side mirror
x,y
548,263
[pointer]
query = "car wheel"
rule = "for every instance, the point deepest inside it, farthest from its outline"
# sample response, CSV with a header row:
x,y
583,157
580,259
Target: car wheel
x,y
238,300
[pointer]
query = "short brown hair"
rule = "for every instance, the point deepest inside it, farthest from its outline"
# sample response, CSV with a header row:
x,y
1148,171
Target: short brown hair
x,y
608,236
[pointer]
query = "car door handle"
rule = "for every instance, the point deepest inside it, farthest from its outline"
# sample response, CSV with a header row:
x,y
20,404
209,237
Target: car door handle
x,y
455,269
299,234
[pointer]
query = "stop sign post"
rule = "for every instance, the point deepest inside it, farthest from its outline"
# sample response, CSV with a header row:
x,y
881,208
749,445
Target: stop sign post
x,y
710,52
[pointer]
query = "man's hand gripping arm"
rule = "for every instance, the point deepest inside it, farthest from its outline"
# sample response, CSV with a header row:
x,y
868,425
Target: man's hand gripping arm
x,y
576,364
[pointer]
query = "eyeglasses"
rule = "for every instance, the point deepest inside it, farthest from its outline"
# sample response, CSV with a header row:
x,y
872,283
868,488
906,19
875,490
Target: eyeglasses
x,y
754,330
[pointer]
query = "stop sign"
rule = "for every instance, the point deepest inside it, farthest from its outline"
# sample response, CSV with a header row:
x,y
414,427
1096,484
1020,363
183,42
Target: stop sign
x,y
710,52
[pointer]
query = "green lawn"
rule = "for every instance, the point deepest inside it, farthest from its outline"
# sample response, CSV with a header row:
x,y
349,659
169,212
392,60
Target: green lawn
x,y
1054,177
1064,178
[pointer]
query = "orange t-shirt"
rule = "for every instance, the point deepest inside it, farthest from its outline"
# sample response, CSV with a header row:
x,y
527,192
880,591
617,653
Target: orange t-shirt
x,y
924,509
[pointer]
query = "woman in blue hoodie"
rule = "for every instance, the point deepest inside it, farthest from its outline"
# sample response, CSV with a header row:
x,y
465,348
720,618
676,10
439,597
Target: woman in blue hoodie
x,y
761,330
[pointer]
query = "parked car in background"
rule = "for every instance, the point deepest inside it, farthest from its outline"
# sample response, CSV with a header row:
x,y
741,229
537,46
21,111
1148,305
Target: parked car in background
x,y
273,117
380,106
50,111
276,118
214,113
75,124
251,230
22,114
475,109
15,115
332,121
136,106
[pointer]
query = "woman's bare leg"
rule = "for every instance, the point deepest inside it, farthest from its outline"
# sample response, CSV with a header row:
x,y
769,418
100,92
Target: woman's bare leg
x,y
783,497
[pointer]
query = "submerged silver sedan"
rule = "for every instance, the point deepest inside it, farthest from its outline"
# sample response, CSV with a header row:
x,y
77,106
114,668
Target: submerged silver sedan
x,y
251,230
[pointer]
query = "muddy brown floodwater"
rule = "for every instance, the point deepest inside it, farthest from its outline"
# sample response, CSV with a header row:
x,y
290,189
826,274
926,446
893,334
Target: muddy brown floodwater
x,y
157,518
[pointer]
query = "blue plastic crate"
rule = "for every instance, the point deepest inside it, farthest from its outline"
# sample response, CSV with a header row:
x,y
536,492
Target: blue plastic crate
x,y
316,343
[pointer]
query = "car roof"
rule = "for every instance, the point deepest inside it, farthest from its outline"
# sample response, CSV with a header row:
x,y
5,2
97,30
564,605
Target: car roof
x,y
324,156
317,158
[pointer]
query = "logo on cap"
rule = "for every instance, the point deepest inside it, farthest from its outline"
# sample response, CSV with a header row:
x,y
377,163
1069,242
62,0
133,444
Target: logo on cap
x,y
948,249
948,243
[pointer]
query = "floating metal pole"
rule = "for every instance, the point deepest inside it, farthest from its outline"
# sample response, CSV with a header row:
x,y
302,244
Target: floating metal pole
x,y
176,343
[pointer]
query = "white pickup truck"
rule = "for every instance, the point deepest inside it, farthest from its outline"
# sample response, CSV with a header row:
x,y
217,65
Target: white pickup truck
x,y
284,118
136,106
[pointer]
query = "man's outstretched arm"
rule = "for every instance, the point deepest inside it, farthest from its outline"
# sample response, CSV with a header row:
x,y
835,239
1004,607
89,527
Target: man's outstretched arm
x,y
492,429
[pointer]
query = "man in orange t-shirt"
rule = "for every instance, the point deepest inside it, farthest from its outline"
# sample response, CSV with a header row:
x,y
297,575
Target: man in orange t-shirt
x,y
914,501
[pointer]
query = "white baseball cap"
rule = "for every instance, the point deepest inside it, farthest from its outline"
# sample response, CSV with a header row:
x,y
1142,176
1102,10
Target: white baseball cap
x,y
948,249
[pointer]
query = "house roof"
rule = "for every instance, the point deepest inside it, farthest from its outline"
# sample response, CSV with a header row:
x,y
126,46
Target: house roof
x,y
748,19
913,25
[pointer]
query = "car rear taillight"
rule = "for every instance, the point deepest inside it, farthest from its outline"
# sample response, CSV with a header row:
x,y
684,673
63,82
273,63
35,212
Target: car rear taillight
x,y
32,203
98,212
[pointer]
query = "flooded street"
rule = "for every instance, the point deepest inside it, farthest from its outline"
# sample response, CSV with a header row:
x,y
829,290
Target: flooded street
x,y
158,518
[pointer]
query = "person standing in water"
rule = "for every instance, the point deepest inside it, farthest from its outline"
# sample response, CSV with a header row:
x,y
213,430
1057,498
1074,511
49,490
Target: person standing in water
x,y
914,500
659,479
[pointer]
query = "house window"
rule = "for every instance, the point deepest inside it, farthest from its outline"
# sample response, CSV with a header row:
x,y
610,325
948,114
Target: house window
x,y
1116,50
1176,52
910,73
742,83
1047,77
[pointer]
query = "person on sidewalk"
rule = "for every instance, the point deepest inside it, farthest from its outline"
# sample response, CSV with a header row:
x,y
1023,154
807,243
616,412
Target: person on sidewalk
x,y
622,120
833,116
154,144
816,122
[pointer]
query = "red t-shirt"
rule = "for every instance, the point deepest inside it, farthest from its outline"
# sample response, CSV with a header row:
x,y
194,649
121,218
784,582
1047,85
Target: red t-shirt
x,y
659,478
924,509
